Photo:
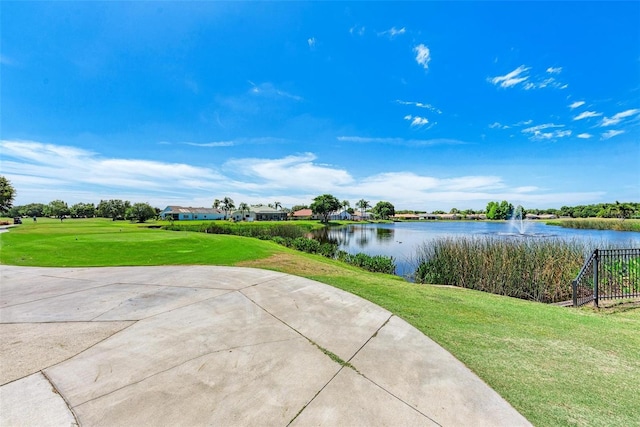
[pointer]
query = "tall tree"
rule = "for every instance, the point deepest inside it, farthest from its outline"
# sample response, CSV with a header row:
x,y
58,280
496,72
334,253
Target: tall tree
x,y
363,205
384,210
58,208
325,204
346,205
277,205
243,207
113,208
216,204
7,194
227,206
140,212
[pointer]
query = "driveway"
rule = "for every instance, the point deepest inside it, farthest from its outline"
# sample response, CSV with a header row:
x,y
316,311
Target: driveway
x,y
203,345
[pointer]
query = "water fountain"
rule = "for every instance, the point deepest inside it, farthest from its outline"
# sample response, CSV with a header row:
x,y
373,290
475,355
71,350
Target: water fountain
x,y
517,221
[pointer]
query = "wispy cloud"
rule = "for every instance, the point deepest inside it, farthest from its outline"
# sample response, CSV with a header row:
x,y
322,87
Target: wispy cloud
x,y
536,132
584,135
311,41
211,144
357,29
511,79
586,115
393,32
617,118
416,121
498,125
400,141
45,171
576,104
423,55
521,76
419,105
269,90
611,133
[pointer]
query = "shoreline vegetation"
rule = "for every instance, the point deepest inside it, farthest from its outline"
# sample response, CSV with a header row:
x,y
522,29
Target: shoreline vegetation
x,y
555,365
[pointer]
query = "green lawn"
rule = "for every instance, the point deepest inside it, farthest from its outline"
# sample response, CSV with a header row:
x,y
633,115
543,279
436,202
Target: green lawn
x,y
557,366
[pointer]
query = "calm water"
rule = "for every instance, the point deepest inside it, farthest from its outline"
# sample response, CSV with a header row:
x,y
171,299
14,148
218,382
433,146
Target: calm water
x,y
402,240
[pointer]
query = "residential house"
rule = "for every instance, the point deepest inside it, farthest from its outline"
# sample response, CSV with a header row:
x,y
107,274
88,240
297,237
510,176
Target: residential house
x,y
259,213
302,214
339,215
179,213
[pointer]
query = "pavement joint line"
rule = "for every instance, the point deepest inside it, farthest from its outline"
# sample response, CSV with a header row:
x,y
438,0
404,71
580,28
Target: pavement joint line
x,y
56,296
230,291
378,385
314,396
72,356
66,402
222,350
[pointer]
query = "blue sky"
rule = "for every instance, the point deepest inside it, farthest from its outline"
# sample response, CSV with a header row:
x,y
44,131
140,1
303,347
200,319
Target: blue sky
x,y
428,105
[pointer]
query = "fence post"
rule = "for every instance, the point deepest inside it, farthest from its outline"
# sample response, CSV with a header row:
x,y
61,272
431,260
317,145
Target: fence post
x,y
595,277
574,285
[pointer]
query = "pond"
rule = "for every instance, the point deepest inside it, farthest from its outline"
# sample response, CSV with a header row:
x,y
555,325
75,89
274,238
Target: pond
x,y
401,240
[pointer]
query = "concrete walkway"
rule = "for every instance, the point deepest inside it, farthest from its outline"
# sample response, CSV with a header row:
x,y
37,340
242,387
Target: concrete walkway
x,y
201,345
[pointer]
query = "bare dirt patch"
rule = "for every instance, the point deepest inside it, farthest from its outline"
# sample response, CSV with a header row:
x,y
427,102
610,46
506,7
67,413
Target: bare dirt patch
x,y
293,264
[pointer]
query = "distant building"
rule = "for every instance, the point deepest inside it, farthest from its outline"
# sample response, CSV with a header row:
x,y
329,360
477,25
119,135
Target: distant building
x,y
259,213
179,213
302,214
339,215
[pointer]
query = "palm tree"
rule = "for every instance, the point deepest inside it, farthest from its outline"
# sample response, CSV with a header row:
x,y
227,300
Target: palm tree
x,y
227,205
216,204
277,205
243,207
363,205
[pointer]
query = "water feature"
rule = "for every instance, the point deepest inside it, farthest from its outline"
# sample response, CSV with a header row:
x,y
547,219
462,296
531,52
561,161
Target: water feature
x,y
517,221
401,240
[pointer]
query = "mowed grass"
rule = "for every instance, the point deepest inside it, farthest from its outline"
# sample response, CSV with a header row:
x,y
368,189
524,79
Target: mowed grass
x,y
102,242
557,366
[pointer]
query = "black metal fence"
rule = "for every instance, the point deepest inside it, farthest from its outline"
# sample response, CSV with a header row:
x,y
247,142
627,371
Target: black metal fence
x,y
608,274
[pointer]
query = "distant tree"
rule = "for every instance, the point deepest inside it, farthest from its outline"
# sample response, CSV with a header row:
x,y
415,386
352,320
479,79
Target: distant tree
x,y
277,205
140,212
296,208
7,194
502,210
383,210
83,210
346,205
243,207
58,209
227,206
113,208
216,204
363,205
325,204
454,211
438,212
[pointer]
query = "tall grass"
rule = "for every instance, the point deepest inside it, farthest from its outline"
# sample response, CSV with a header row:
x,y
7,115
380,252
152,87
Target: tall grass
x,y
598,224
263,231
532,269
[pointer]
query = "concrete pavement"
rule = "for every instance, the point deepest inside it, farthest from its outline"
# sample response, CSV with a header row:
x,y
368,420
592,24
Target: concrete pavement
x,y
203,345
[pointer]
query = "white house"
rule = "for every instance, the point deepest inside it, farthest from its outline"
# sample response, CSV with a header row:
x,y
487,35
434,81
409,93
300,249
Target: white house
x,y
259,213
179,213
339,215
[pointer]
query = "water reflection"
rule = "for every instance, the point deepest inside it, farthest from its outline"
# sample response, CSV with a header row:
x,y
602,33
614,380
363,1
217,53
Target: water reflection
x,y
360,236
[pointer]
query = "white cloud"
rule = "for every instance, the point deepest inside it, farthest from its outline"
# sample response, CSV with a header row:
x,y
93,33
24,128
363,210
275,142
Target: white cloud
x,y
521,76
419,105
268,90
393,32
417,120
611,133
311,41
511,79
554,70
211,144
617,118
359,30
42,172
400,141
576,104
423,55
536,132
584,135
587,114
